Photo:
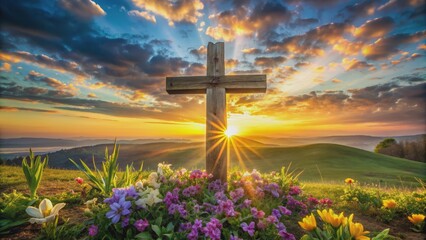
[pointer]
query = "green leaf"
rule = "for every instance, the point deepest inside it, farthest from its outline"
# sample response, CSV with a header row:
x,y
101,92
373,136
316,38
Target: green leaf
x,y
170,227
156,229
143,235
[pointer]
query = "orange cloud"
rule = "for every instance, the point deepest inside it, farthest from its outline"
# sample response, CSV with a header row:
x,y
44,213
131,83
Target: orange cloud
x,y
231,63
219,33
347,48
83,8
143,14
6,67
355,64
375,28
173,11
91,95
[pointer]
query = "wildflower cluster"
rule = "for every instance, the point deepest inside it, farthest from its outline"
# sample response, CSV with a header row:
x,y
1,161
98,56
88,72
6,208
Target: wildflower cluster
x,y
190,205
335,226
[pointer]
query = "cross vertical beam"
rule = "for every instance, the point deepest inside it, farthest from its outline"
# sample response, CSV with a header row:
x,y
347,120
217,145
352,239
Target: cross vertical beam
x,y
216,119
216,85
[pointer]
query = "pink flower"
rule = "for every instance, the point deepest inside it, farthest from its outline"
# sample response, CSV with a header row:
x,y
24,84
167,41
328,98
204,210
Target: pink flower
x,y
93,230
79,180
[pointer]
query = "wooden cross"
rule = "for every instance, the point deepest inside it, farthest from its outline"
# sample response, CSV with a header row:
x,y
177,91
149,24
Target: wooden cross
x,y
216,85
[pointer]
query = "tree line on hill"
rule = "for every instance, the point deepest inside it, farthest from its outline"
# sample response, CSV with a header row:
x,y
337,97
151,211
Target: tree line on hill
x,y
412,150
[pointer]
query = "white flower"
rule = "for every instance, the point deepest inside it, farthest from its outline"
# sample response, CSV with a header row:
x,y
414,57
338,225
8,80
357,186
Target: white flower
x,y
150,198
45,212
163,168
139,185
152,180
91,203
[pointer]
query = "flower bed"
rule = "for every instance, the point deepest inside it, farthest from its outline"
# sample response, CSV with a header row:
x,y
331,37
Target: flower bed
x,y
189,205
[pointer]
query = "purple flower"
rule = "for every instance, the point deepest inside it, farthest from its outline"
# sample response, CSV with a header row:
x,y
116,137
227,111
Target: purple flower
x,y
193,235
185,227
237,194
125,222
141,225
274,189
191,191
280,226
217,186
235,238
171,197
313,201
198,174
272,219
220,196
131,192
276,213
93,230
226,207
286,236
284,210
256,213
180,208
295,190
213,229
118,209
117,194
246,203
248,228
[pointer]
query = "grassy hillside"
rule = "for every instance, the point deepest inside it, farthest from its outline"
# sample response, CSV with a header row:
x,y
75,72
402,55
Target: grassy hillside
x,y
319,162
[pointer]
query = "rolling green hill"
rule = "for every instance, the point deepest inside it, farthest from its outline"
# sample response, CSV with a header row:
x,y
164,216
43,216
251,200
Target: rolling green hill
x,y
319,162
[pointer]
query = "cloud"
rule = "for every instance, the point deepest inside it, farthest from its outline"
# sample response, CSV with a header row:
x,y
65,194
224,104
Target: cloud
x,y
51,82
199,53
174,11
347,47
301,64
388,46
400,4
6,67
264,17
335,80
315,3
253,51
358,10
126,62
15,109
92,95
196,69
231,63
269,61
375,28
312,43
143,14
43,61
355,64
83,8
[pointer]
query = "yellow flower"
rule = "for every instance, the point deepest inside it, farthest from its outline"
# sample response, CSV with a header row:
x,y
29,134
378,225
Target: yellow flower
x,y
416,218
45,212
331,218
357,231
346,221
349,180
389,203
308,223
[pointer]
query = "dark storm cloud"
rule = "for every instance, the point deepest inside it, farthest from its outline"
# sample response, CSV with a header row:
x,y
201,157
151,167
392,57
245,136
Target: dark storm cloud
x,y
412,78
117,61
388,46
315,3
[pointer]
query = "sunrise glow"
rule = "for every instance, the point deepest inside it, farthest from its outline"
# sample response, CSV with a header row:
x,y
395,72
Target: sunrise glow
x,y
231,131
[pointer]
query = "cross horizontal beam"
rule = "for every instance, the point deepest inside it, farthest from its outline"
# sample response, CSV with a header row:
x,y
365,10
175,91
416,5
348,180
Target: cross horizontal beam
x,y
232,84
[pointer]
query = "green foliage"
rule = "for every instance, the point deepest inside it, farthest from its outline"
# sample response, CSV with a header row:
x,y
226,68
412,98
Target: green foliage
x,y
106,179
12,210
33,172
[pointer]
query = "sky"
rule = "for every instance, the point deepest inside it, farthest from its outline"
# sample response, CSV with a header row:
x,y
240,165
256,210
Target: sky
x,y
86,68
